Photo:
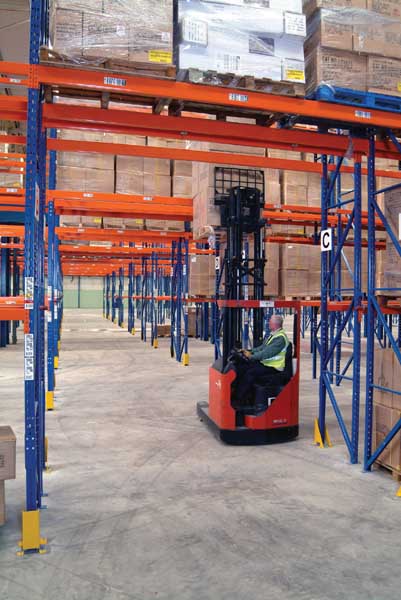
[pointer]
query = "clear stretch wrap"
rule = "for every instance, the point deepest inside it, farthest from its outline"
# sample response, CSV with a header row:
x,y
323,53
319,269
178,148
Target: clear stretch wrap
x,y
354,44
90,31
260,39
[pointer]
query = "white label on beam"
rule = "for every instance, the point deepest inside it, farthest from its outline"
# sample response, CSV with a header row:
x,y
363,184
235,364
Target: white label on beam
x,y
29,292
266,304
326,240
29,367
399,226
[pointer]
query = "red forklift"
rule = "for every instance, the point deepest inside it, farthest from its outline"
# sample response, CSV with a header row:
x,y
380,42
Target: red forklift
x,y
270,413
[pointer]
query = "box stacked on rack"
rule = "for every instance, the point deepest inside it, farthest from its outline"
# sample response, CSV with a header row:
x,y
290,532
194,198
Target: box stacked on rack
x,y
87,31
354,44
387,406
202,275
11,180
243,38
392,260
7,465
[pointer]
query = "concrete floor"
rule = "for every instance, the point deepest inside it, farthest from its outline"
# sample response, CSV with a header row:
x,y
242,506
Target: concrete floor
x,y
144,503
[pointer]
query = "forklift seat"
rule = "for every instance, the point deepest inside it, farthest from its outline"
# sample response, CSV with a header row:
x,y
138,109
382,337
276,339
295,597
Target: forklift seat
x,y
266,389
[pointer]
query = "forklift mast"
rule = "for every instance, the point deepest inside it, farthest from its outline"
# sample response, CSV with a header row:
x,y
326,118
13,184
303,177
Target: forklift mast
x,y
240,194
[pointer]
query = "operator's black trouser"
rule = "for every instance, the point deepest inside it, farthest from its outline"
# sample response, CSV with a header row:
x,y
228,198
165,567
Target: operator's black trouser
x,y
247,377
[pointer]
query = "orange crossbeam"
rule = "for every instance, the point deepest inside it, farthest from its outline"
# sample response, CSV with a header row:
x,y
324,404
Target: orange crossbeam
x,y
111,251
191,128
12,139
118,235
134,210
223,158
12,308
212,96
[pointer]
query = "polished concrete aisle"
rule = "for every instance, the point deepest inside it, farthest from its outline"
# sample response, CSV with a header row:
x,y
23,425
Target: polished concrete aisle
x,y
144,503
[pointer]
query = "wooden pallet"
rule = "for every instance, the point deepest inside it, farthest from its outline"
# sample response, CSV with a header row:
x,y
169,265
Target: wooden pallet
x,y
163,331
126,67
242,82
395,473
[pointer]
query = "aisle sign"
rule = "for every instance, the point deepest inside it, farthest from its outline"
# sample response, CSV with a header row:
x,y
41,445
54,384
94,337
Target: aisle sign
x,y
326,240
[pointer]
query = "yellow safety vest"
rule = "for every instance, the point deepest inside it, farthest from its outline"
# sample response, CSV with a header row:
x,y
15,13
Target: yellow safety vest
x,y
278,361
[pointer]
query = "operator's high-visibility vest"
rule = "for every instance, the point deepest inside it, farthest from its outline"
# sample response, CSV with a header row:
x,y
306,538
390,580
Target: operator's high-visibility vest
x,y
278,361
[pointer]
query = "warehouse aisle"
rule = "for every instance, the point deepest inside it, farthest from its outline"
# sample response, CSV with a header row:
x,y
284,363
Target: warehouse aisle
x,y
144,503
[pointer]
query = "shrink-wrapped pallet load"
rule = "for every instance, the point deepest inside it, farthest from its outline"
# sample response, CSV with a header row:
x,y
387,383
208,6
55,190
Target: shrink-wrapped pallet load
x,y
243,39
91,32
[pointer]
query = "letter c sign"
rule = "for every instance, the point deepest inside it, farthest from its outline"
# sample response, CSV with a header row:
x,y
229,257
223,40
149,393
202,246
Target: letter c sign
x,y
326,240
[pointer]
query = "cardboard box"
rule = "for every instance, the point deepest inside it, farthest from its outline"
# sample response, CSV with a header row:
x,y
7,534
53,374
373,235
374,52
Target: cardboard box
x,y
384,420
156,185
242,40
382,416
271,275
157,166
129,183
97,180
151,32
335,67
309,6
202,275
164,225
384,75
292,282
383,376
293,188
383,40
392,264
388,8
105,36
91,160
2,503
326,31
182,187
7,453
85,180
300,257
182,168
66,32
130,164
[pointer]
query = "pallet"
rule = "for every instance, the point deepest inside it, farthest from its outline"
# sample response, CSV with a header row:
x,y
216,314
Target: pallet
x,y
163,331
242,82
122,66
361,100
395,473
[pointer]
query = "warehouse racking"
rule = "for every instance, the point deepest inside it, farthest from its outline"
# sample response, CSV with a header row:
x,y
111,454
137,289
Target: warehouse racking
x,y
335,131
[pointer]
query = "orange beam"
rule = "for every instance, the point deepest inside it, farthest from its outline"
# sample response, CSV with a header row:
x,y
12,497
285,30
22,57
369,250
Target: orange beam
x,y
127,198
213,96
192,128
12,139
134,210
111,251
223,158
118,235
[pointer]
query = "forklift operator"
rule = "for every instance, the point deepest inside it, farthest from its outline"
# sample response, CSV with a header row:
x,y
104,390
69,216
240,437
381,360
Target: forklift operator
x,y
265,361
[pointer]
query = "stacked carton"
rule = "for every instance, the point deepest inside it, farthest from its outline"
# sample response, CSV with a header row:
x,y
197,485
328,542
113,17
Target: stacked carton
x,y
87,31
106,173
243,38
391,262
11,180
272,253
387,406
7,465
354,44
202,275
